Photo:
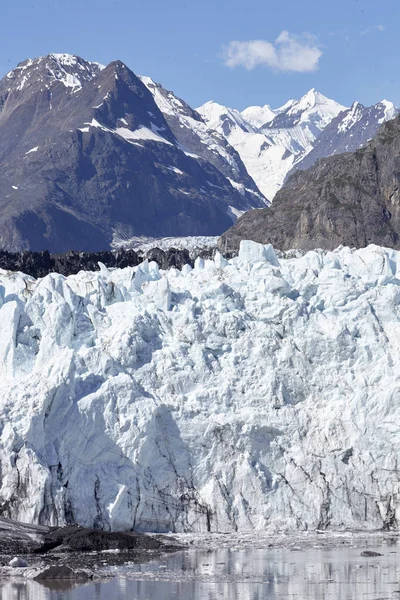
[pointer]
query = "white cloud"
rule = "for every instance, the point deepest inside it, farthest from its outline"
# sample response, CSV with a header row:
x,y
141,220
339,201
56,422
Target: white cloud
x,y
288,53
372,29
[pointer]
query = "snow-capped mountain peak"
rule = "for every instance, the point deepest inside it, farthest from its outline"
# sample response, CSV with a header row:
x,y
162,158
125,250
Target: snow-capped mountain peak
x,y
313,107
347,132
45,71
270,141
71,60
312,98
219,116
258,115
390,110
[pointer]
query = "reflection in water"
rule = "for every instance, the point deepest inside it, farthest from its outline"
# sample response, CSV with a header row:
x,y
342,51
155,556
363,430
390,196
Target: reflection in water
x,y
318,574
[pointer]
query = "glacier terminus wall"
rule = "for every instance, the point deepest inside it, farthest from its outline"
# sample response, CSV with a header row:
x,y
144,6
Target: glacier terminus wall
x,y
256,393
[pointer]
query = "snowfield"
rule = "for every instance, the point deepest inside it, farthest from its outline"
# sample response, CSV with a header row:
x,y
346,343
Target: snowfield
x,y
249,394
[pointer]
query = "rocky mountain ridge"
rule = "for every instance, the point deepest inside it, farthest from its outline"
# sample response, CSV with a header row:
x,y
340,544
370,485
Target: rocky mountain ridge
x,y
274,143
86,156
93,157
350,199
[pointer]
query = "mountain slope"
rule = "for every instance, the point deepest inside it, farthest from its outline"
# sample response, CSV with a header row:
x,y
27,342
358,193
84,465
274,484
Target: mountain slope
x,y
86,155
196,137
351,199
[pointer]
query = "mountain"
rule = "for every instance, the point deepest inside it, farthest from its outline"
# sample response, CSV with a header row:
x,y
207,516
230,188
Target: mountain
x,y
274,143
347,132
93,157
270,149
87,158
251,395
351,199
259,115
196,137
312,113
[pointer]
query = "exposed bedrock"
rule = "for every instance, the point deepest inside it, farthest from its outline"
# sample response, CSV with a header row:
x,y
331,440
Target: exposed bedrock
x,y
350,199
40,264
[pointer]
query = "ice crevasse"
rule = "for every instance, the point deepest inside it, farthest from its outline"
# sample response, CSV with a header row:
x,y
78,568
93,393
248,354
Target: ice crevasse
x,y
244,394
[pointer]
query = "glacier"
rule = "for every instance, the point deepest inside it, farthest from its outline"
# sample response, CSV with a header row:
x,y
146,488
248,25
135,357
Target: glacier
x,y
256,393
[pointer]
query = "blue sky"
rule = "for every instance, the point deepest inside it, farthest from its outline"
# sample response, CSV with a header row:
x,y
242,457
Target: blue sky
x,y
347,49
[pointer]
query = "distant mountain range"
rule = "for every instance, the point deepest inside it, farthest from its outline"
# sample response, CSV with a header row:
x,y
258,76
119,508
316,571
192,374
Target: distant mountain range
x,y
351,199
92,156
274,143
347,132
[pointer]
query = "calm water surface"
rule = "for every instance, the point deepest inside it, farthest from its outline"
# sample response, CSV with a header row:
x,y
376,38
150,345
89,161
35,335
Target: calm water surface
x,y
319,574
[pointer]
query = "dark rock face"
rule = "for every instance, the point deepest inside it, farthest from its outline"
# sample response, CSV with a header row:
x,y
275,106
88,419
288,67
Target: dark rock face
x,y
57,572
87,156
75,538
40,264
351,199
169,258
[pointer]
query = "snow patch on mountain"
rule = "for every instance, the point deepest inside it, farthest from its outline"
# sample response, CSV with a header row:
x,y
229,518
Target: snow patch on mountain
x,y
390,111
258,115
142,133
168,103
313,107
255,393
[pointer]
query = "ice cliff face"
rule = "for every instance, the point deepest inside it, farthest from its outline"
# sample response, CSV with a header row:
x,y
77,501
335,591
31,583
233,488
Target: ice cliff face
x,y
243,394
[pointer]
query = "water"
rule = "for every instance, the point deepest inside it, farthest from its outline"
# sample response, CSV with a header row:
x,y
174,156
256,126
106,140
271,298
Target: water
x,y
315,574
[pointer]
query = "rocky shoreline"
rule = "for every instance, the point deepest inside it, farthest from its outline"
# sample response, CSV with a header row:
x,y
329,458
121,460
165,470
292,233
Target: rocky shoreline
x,y
40,264
72,553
